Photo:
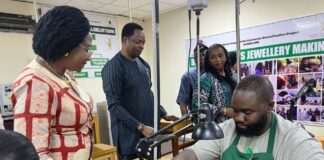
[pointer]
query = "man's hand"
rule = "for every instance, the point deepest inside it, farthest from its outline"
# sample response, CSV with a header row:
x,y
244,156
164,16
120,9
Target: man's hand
x,y
145,130
183,109
170,118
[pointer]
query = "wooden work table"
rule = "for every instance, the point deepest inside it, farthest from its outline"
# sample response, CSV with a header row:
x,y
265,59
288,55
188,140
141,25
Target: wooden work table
x,y
175,141
321,139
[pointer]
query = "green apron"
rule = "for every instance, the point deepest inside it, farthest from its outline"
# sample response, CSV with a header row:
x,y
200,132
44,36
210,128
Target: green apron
x,y
232,153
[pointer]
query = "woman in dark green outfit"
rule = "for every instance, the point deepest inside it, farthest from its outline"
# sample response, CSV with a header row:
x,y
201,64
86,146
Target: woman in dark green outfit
x,y
217,83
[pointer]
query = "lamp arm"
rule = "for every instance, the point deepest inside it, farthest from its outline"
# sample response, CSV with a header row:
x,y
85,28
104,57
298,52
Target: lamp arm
x,y
183,118
146,145
170,136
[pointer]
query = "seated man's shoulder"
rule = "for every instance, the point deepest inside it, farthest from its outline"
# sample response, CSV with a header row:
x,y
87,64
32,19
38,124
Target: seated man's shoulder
x,y
228,125
288,129
293,142
294,135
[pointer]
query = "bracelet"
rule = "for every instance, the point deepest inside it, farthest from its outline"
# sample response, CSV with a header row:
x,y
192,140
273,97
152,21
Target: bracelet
x,y
224,111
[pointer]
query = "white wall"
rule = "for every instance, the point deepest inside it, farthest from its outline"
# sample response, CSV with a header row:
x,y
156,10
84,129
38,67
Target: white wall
x,y
16,49
16,7
15,54
219,17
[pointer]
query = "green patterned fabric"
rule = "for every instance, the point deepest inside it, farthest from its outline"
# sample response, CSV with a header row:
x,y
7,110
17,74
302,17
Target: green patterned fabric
x,y
213,91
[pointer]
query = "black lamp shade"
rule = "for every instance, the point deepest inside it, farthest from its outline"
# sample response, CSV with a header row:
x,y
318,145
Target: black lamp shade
x,y
207,131
207,128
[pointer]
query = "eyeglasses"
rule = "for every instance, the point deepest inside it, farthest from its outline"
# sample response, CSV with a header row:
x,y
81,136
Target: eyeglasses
x,y
86,49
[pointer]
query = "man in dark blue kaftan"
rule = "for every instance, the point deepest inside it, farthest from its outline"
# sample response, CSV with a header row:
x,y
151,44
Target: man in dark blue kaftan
x,y
127,85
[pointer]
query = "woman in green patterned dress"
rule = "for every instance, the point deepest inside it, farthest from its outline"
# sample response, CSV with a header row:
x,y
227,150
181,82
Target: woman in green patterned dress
x,y
217,83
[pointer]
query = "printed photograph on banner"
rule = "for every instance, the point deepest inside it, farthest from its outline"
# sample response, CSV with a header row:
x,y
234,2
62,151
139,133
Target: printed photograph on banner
x,y
287,66
287,82
307,100
322,115
246,69
319,79
284,96
309,113
303,77
322,63
301,114
263,68
283,111
273,80
281,83
323,80
323,98
310,64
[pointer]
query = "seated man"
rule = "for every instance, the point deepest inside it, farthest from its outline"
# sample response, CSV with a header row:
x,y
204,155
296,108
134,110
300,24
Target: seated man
x,y
255,132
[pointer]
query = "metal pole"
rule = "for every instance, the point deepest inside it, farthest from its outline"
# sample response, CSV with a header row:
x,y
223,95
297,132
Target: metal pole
x,y
238,39
198,57
36,13
156,63
130,10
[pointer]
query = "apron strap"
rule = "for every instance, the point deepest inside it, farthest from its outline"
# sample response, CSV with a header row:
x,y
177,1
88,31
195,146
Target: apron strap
x,y
272,134
236,140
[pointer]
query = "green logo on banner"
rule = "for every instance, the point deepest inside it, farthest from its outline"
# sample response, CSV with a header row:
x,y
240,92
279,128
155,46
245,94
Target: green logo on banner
x,y
192,62
80,74
98,61
294,49
93,36
93,48
97,74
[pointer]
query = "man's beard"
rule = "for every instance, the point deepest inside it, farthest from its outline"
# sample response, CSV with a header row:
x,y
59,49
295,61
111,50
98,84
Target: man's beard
x,y
253,129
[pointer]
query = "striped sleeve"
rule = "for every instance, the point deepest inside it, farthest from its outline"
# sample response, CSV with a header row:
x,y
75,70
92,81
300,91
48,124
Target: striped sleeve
x,y
112,77
163,112
33,102
184,91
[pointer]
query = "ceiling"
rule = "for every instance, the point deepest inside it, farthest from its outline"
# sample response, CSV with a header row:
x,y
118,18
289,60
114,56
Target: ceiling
x,y
140,9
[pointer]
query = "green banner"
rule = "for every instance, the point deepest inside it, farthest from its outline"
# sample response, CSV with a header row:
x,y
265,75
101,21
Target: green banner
x,y
93,36
93,48
192,62
80,74
98,61
97,74
285,50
